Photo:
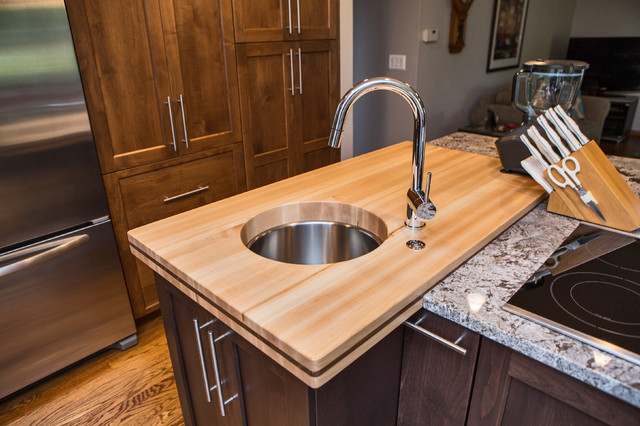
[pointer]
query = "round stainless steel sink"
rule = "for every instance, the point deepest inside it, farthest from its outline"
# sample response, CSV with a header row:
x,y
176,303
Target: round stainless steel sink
x,y
314,233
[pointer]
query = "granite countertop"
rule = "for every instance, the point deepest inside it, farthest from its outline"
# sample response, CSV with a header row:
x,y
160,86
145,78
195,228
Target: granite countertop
x,y
496,272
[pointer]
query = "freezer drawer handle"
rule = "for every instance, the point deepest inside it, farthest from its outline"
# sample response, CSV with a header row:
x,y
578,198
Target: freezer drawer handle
x,y
441,340
52,249
186,194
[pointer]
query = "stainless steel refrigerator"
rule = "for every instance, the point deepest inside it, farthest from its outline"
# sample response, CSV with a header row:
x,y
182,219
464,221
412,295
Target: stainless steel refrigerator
x,y
62,291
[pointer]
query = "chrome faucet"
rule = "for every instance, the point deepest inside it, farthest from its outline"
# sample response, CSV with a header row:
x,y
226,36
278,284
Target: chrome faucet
x,y
419,207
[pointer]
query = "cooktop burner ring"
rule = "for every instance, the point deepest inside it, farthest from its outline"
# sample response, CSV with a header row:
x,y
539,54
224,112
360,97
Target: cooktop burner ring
x,y
586,296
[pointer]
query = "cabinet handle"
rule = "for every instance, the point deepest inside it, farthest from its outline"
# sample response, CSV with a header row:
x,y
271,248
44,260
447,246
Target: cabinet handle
x,y
173,130
298,9
186,194
218,386
290,24
300,69
293,90
441,340
184,122
202,366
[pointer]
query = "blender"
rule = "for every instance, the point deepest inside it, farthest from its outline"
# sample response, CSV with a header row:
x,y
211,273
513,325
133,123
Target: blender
x,y
547,83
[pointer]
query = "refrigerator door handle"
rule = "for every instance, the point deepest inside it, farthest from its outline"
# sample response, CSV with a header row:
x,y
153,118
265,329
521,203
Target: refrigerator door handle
x,y
52,249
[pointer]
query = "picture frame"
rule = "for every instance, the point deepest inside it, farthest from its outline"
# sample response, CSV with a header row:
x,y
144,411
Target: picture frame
x,y
507,31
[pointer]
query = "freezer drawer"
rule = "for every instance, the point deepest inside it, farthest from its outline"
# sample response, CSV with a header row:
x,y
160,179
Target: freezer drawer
x,y
65,306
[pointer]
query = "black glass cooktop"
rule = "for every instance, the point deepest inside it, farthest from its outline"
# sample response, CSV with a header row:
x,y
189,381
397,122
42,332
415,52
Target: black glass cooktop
x,y
588,289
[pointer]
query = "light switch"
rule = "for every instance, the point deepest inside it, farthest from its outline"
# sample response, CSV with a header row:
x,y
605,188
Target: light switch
x,y
397,62
430,35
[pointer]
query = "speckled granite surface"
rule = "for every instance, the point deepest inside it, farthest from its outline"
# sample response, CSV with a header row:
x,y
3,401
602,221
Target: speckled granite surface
x,y
495,273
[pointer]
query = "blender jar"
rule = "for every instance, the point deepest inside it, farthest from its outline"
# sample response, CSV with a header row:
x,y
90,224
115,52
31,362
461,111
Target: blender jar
x,y
547,83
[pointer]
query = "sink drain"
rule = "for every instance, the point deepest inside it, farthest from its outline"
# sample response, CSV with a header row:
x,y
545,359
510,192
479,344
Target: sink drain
x,y
415,244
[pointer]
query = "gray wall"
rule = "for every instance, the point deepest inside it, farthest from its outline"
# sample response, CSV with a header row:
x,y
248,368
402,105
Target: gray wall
x,y
383,27
451,84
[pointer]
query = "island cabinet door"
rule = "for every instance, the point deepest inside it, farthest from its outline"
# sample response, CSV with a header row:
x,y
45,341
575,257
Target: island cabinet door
x,y
205,378
511,388
436,377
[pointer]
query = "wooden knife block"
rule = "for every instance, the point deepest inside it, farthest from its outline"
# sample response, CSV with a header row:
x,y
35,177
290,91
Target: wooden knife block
x,y
617,202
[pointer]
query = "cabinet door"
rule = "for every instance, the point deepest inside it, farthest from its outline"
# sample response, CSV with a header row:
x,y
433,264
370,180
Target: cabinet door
x,y
317,91
279,20
436,380
511,388
202,62
207,386
123,65
266,77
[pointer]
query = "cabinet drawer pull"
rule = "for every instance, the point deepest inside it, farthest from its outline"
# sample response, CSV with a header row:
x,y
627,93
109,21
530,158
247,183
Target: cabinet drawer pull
x,y
216,369
290,28
186,194
293,90
184,122
300,69
443,341
173,130
298,9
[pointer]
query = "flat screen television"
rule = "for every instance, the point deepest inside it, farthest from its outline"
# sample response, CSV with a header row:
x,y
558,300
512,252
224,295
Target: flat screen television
x,y
614,62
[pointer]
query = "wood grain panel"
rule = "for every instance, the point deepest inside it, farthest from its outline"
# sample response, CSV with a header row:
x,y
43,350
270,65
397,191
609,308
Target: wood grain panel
x,y
318,314
277,20
436,381
126,107
512,388
204,66
263,20
267,110
316,105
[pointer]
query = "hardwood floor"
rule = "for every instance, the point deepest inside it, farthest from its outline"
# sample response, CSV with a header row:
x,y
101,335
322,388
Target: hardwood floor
x,y
132,387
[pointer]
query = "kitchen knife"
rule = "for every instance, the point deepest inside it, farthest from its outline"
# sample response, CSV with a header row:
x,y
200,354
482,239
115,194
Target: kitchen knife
x,y
536,170
553,137
573,126
543,145
563,130
534,151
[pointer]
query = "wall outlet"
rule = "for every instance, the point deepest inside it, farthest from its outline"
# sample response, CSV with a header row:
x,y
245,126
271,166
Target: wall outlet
x,y
430,35
397,62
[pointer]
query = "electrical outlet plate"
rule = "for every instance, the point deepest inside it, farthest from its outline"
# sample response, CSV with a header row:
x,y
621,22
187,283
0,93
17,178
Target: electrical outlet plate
x,y
397,62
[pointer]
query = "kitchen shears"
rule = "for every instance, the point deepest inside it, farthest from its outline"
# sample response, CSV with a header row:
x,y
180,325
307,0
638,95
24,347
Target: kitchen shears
x,y
568,177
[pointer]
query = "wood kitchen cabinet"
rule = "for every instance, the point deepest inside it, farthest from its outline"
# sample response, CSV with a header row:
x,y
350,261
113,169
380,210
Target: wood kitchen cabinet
x,y
288,95
149,193
511,388
436,380
492,385
161,87
257,391
280,20
159,77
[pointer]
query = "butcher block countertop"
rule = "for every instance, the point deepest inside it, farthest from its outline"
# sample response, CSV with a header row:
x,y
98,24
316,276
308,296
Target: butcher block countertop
x,y
314,320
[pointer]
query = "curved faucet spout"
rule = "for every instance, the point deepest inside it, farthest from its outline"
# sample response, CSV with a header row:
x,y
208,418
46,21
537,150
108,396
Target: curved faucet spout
x,y
419,207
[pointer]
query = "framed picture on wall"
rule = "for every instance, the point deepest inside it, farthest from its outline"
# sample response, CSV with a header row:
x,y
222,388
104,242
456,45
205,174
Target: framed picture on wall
x,y
509,17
